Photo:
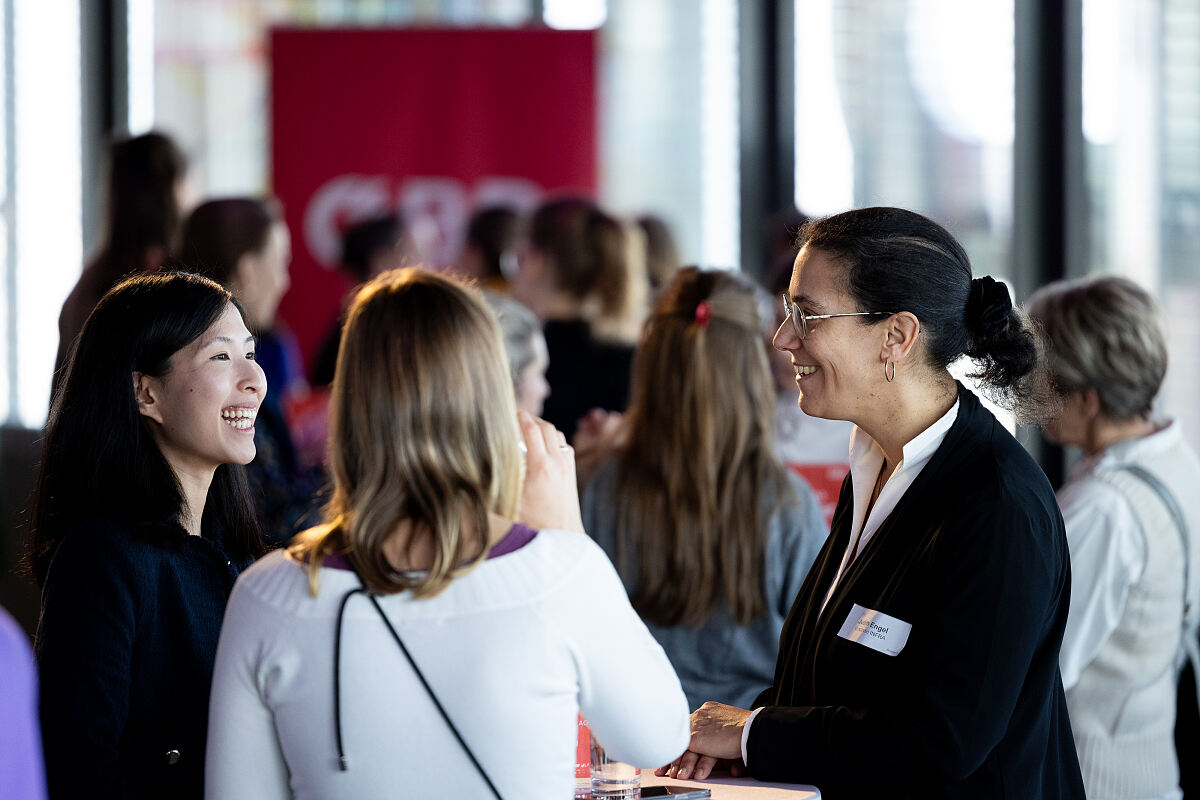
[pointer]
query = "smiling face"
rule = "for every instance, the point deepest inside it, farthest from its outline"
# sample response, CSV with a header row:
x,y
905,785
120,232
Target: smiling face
x,y
838,366
201,413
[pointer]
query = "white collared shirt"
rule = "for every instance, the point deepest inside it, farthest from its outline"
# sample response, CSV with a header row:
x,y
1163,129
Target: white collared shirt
x,y
866,459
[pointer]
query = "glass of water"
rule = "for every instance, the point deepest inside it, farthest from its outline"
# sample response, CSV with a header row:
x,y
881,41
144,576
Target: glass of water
x,y
613,779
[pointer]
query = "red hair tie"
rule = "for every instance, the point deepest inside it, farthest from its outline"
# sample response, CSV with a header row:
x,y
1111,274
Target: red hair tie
x,y
703,313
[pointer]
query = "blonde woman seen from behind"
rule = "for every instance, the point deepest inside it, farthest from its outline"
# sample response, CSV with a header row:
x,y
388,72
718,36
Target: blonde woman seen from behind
x,y
516,626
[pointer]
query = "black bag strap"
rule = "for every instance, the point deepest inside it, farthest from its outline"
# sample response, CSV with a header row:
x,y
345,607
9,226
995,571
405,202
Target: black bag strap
x,y
343,764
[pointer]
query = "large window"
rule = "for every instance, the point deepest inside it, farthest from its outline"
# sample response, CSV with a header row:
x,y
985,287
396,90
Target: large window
x,y
41,239
909,104
1141,120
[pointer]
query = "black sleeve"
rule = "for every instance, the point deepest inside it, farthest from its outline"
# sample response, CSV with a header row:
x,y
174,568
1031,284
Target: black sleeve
x,y
996,587
84,646
765,698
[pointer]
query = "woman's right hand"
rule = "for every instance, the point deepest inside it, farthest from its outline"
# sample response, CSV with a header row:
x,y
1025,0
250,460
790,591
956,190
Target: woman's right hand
x,y
550,496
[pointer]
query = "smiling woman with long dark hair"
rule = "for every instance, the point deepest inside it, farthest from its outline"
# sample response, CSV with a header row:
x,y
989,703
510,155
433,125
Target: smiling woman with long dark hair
x,y
141,522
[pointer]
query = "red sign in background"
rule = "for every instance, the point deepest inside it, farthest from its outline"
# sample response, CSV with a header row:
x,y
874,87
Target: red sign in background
x,y
430,123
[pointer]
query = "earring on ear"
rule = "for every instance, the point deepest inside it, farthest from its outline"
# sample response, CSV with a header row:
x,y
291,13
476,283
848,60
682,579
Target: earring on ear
x,y
892,364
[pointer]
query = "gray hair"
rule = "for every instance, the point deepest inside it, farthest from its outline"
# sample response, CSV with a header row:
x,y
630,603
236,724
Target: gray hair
x,y
520,328
1104,333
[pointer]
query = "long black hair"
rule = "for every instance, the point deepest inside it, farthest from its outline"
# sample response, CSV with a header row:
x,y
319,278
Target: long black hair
x,y
99,457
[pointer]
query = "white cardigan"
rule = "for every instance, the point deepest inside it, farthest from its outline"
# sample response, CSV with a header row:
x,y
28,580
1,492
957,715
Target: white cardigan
x,y
513,649
1120,650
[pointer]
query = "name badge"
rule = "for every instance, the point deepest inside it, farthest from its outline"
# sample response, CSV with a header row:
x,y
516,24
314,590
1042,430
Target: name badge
x,y
876,630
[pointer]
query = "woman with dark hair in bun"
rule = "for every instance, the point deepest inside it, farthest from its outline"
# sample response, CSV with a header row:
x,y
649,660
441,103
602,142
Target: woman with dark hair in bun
x,y
921,654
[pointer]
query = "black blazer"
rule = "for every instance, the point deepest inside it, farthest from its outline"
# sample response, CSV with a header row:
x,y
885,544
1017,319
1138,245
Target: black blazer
x,y
126,645
974,558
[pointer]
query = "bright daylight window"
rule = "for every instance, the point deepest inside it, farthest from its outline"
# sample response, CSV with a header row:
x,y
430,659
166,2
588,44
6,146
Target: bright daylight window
x,y
910,105
42,231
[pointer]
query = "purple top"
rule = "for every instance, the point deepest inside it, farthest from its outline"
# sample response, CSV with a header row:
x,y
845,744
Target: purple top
x,y
517,537
22,773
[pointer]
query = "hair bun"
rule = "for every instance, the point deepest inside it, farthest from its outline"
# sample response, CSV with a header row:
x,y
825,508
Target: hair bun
x,y
988,306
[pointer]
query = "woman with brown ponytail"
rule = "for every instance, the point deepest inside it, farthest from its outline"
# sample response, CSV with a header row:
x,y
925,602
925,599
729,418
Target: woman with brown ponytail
x,y
580,273
920,658
710,533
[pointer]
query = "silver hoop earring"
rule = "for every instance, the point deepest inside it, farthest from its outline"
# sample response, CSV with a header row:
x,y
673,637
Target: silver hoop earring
x,y
892,364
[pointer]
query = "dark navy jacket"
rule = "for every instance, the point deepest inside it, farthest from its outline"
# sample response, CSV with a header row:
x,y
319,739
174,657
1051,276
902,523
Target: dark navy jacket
x,y
975,559
125,646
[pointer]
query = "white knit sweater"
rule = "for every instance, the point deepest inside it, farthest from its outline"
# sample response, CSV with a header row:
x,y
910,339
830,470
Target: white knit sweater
x,y
514,649
1121,650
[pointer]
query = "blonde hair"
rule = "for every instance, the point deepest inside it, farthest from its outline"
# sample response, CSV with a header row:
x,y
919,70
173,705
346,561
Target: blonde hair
x,y
699,462
423,431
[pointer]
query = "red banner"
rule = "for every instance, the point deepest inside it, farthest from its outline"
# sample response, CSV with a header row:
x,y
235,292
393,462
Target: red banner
x,y
429,123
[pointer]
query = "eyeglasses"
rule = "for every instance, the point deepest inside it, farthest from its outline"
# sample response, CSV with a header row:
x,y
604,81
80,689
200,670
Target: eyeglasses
x,y
800,320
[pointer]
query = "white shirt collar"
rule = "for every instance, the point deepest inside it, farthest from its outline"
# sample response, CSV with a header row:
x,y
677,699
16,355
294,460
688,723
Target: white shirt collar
x,y
919,448
1141,448
866,459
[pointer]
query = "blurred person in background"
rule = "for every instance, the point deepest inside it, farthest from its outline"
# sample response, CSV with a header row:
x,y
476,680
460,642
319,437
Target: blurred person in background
x,y
526,349
1132,510
147,196
662,254
711,535
578,273
22,770
512,620
488,251
369,248
243,244
141,522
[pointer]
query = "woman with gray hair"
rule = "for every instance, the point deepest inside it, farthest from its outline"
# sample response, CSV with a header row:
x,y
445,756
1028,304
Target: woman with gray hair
x,y
1133,524
526,349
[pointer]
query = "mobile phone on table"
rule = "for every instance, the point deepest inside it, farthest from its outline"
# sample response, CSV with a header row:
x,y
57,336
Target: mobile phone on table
x,y
678,792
